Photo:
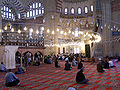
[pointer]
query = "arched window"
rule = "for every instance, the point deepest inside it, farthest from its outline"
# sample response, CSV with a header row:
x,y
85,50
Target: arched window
x,y
86,9
79,11
76,31
72,11
91,8
7,13
36,9
66,11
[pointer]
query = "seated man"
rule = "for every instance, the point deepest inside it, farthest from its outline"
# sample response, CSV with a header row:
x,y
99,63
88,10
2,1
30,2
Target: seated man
x,y
37,62
67,66
20,70
49,61
11,79
74,62
106,64
2,67
80,65
111,65
100,67
80,78
56,64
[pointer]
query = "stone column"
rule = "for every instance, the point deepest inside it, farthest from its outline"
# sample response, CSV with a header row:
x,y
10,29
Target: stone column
x,y
51,18
106,20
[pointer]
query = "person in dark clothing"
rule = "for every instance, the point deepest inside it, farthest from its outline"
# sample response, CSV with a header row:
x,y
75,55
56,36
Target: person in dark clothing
x,y
20,70
93,60
80,77
56,63
80,65
37,63
106,64
68,66
100,67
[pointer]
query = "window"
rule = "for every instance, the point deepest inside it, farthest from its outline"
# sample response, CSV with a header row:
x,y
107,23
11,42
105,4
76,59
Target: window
x,y
1,8
86,9
30,7
28,14
91,8
30,32
41,33
9,15
19,16
79,11
72,11
33,5
36,5
42,10
39,4
36,9
33,12
76,31
66,10
6,13
76,50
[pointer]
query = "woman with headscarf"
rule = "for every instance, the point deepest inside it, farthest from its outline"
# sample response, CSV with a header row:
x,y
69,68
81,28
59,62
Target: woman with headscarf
x,y
80,77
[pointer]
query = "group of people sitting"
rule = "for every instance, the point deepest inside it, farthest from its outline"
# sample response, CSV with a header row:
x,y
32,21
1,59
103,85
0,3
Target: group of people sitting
x,y
104,64
10,77
80,77
12,80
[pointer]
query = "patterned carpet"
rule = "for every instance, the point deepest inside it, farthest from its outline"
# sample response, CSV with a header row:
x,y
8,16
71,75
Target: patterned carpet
x,y
47,77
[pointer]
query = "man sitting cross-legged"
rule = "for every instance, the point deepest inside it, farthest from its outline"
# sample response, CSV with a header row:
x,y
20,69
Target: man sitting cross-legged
x,y
11,79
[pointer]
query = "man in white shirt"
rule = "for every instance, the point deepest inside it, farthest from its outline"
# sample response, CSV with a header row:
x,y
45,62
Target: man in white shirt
x,y
111,65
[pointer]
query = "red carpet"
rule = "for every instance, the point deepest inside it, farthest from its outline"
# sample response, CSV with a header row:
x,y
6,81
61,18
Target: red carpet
x,y
47,77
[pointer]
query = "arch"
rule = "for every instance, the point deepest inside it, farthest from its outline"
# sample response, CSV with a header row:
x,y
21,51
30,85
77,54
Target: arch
x,y
18,57
24,53
39,55
27,58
